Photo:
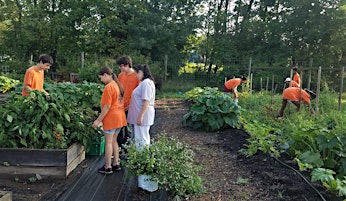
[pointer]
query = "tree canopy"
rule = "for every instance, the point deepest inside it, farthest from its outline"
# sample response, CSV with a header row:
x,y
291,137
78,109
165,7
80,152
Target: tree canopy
x,y
225,32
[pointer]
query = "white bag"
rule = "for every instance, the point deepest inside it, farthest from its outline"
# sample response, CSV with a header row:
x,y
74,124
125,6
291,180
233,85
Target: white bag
x,y
145,183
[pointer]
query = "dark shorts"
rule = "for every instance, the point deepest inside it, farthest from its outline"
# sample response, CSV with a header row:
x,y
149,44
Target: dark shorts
x,y
225,89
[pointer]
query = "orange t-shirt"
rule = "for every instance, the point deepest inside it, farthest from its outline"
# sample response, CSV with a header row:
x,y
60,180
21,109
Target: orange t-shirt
x,y
296,94
115,118
232,83
129,82
34,79
294,84
296,78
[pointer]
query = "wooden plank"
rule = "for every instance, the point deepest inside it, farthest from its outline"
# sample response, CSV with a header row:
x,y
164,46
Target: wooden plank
x,y
74,151
32,170
33,157
74,163
5,196
57,163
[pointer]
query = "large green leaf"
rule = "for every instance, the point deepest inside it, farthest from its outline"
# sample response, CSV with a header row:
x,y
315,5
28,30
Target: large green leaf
x,y
322,174
311,158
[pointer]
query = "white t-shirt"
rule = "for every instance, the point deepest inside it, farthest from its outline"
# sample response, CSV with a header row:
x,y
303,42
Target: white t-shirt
x,y
144,91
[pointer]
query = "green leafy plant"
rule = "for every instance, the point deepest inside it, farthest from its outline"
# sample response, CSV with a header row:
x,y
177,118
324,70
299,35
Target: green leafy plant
x,y
6,84
317,143
40,122
167,161
211,110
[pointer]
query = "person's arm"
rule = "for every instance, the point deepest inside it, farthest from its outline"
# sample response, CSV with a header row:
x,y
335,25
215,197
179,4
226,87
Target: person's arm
x,y
142,112
27,88
45,92
102,115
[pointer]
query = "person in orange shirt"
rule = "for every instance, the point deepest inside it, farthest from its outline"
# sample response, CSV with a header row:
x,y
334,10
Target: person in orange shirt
x,y
296,95
112,117
296,76
291,83
34,76
231,86
129,81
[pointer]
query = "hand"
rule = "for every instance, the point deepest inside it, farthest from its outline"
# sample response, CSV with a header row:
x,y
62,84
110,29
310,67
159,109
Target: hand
x,y
139,122
96,123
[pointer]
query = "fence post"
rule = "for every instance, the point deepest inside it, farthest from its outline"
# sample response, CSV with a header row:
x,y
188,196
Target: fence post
x,y
341,87
309,78
271,100
251,76
165,74
249,67
82,59
318,87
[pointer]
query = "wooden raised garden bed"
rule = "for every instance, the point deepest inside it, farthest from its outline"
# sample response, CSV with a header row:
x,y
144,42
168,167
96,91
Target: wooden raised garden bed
x,y
45,162
5,196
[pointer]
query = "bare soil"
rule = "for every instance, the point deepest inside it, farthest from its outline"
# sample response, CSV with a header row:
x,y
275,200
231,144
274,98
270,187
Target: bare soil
x,y
227,173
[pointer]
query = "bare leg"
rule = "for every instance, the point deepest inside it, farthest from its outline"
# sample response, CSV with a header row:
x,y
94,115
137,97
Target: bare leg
x,y
283,106
115,149
109,149
297,104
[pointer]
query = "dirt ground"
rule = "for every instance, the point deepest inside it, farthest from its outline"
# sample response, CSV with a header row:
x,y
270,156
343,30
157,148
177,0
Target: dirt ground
x,y
228,175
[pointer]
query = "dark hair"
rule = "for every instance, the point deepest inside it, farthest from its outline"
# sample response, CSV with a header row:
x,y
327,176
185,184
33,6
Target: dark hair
x,y
126,60
146,71
108,71
295,68
243,78
45,58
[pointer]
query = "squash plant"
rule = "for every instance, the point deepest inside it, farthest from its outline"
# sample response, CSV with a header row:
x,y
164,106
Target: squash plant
x,y
211,110
42,122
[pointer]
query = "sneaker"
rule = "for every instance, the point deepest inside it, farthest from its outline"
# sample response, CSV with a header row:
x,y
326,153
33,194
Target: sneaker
x,y
116,168
104,170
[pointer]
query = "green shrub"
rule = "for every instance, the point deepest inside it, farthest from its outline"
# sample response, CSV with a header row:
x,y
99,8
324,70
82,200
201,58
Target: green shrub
x,y
167,161
7,84
211,110
40,122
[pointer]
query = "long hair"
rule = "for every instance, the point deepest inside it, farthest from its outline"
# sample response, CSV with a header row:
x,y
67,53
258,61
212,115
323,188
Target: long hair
x,y
109,71
146,71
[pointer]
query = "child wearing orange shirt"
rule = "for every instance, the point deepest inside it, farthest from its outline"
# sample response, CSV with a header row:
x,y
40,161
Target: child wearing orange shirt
x,y
112,117
231,86
129,81
296,95
34,76
291,83
296,76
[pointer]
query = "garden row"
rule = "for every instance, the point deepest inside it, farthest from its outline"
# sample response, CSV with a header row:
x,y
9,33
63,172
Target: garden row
x,y
316,142
49,136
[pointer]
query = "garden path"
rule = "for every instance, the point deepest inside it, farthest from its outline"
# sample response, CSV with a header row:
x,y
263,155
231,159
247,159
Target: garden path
x,y
93,186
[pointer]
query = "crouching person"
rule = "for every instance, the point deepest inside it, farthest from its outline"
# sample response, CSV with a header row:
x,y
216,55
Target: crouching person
x,y
297,95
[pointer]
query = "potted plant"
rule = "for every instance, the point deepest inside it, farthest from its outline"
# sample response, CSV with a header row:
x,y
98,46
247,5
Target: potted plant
x,y
167,162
